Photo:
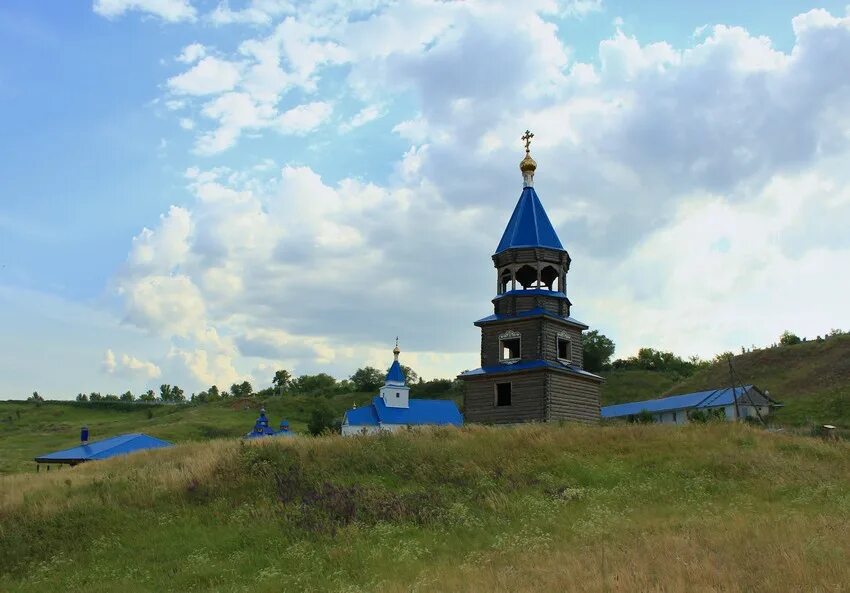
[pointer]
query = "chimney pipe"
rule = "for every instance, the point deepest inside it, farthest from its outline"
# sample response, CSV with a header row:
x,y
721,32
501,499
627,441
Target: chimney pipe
x,y
84,435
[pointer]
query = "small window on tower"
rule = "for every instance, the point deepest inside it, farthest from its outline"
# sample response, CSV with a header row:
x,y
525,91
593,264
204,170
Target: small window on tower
x,y
397,394
509,349
564,349
503,394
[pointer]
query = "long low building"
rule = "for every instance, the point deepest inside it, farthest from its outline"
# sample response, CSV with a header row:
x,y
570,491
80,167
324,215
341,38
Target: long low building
x,y
747,401
122,444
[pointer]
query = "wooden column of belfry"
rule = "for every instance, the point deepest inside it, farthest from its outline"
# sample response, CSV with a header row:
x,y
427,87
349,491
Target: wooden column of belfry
x,y
540,376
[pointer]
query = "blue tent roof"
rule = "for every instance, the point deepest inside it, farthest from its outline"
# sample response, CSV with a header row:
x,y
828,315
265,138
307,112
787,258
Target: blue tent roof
x,y
395,374
525,365
699,399
103,449
529,226
420,411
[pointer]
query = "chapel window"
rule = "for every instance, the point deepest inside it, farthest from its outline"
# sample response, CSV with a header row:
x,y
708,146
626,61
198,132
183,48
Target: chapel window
x,y
503,394
509,347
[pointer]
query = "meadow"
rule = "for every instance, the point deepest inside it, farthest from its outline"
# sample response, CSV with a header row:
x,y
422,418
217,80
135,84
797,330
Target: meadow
x,y
717,507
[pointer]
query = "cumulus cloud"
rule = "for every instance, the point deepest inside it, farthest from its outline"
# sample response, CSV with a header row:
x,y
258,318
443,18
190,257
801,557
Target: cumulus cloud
x,y
209,76
192,53
685,181
362,117
129,366
167,10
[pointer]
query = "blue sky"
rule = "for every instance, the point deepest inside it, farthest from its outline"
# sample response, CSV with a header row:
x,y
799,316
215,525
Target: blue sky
x,y
197,192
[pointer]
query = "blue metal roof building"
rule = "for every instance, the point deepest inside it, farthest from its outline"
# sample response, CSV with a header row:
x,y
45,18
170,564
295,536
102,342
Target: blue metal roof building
x,y
737,402
103,449
392,408
419,412
262,428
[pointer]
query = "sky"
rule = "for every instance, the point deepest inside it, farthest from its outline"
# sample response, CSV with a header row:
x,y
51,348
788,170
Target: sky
x,y
200,192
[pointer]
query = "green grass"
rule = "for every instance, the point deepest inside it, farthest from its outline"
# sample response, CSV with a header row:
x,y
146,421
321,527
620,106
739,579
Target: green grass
x,y
27,429
534,508
626,385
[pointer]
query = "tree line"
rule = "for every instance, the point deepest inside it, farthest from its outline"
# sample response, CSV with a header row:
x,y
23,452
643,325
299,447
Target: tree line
x,y
598,350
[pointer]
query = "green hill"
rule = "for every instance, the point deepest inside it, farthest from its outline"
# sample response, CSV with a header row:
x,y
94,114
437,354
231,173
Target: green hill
x,y
535,508
28,429
811,379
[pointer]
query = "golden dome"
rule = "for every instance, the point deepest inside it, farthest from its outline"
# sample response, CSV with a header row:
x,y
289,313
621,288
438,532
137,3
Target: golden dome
x,y
528,164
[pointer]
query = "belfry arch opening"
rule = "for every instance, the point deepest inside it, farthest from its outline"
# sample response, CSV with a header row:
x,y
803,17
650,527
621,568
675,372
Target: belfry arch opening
x,y
527,277
550,278
506,280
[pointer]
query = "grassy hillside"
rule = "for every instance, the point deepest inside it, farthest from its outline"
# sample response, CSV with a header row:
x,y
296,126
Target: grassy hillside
x,y
27,430
812,379
558,508
627,385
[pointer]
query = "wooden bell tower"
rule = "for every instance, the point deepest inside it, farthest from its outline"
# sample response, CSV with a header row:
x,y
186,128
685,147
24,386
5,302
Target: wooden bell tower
x,y
531,349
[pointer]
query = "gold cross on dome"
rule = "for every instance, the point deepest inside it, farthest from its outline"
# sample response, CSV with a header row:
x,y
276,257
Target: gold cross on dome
x,y
527,137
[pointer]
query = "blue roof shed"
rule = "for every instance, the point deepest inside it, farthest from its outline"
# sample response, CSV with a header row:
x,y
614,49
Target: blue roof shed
x,y
710,398
118,445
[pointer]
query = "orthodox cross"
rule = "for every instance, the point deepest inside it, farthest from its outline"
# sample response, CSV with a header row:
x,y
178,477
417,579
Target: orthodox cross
x,y
527,137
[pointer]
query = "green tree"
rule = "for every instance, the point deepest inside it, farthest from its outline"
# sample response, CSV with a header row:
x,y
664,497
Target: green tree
x,y
82,397
281,381
315,384
94,396
35,397
127,396
148,396
322,419
409,374
598,350
110,397
367,379
165,392
243,389
177,394
789,339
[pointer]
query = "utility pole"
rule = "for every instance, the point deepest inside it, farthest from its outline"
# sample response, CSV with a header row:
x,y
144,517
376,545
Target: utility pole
x,y
732,383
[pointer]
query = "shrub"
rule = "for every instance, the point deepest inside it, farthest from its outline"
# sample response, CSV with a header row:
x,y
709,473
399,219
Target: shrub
x,y
643,417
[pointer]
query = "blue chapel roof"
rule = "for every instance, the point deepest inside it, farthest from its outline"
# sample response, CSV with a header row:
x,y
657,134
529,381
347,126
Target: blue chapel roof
x,y
699,399
395,374
529,226
420,411
104,448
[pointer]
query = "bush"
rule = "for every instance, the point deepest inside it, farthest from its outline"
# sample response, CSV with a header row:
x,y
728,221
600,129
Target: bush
x,y
789,339
643,417
322,419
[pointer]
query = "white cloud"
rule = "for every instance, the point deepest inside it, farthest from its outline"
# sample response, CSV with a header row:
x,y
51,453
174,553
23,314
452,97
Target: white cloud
x,y
258,12
684,181
167,10
363,117
209,76
580,8
192,53
129,366
304,118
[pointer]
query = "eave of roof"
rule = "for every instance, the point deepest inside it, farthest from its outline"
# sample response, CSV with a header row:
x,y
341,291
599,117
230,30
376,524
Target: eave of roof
x,y
530,365
536,312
